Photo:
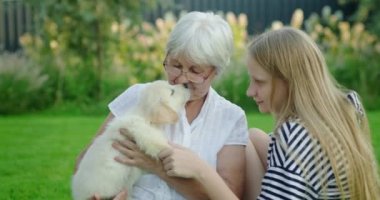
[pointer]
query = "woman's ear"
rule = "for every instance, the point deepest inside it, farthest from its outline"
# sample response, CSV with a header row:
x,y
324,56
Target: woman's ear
x,y
163,114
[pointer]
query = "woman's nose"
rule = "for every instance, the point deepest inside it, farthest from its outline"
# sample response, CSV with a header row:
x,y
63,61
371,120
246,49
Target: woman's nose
x,y
182,79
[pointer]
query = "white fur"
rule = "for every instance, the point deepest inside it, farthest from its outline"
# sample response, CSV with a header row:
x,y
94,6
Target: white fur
x,y
98,172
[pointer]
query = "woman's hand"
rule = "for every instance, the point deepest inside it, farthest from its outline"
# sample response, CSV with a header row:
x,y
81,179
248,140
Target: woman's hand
x,y
121,196
133,156
179,161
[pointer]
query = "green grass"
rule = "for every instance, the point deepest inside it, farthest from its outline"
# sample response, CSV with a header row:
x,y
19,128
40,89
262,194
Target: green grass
x,y
38,152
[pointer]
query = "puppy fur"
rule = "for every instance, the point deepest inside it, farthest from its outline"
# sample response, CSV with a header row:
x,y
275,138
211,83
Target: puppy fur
x,y
98,172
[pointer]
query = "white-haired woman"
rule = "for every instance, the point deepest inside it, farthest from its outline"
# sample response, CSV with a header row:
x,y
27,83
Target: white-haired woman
x,y
199,48
320,147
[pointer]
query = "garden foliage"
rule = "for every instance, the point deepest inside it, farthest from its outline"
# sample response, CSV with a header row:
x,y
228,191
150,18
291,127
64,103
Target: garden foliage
x,y
21,84
86,53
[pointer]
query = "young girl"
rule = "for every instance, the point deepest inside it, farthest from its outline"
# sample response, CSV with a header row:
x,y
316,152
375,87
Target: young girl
x,y
320,147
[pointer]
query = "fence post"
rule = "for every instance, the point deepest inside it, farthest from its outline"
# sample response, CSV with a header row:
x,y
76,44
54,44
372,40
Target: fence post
x,y
2,27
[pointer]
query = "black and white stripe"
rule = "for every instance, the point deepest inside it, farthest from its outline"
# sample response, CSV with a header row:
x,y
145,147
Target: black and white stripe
x,y
295,163
355,100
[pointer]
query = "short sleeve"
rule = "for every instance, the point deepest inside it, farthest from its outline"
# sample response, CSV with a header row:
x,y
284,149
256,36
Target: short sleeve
x,y
355,101
280,183
283,179
125,100
239,134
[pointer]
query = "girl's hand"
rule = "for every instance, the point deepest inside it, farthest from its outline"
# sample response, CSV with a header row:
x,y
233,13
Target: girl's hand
x,y
179,161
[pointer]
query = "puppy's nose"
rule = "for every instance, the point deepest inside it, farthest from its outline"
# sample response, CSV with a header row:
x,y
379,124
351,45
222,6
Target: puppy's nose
x,y
185,85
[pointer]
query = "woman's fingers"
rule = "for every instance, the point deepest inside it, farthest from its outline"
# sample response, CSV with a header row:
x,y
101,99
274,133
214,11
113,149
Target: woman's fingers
x,y
129,155
96,197
122,149
128,144
125,160
121,196
127,135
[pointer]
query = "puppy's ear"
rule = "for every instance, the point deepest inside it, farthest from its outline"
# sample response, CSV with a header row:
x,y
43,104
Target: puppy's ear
x,y
163,114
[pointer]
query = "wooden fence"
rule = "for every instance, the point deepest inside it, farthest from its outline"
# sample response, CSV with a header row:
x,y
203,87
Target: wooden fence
x,y
260,13
15,19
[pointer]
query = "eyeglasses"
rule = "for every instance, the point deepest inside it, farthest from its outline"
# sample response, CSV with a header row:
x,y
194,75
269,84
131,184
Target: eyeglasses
x,y
191,76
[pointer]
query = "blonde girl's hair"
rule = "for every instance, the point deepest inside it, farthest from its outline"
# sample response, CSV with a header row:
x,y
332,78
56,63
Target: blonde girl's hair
x,y
322,105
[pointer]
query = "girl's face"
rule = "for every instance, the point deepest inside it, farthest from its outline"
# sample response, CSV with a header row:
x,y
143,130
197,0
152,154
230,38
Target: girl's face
x,y
197,78
261,89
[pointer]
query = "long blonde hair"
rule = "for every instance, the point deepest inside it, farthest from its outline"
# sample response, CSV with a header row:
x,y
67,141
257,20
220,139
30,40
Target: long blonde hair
x,y
322,105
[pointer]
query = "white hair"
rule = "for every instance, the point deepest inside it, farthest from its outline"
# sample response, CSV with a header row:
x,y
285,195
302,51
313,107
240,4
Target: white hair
x,y
203,38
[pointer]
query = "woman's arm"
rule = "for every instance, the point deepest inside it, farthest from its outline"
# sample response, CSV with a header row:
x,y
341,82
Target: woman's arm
x,y
100,131
230,166
133,156
230,172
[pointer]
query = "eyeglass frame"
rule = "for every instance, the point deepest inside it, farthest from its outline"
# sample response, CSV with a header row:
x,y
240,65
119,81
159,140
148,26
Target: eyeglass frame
x,y
185,73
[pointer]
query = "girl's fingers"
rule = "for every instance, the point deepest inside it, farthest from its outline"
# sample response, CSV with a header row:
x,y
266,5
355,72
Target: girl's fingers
x,y
168,167
176,145
170,172
165,153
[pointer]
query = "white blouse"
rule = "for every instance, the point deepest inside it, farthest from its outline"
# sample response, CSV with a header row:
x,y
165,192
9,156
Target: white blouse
x,y
219,123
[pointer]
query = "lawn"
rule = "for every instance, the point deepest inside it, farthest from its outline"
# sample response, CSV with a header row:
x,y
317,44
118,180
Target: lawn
x,y
38,152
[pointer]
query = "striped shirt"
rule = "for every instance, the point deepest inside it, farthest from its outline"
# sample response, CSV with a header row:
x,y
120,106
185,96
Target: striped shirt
x,y
295,160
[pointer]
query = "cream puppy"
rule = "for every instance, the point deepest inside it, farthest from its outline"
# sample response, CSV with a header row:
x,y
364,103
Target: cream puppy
x,y
98,172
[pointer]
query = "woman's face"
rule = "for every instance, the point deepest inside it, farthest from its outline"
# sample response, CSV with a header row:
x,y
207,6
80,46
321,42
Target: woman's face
x,y
197,78
261,86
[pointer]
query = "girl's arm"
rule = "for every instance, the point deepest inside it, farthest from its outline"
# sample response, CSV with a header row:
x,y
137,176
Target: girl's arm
x,y
181,162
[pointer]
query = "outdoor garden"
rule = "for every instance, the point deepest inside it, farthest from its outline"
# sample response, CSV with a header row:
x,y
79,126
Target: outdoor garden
x,y
54,91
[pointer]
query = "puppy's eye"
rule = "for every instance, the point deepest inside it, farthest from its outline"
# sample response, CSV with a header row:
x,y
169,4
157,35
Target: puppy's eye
x,y
172,92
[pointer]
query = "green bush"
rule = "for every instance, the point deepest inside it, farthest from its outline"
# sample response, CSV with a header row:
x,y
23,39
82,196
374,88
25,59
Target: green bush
x,y
74,43
21,85
234,81
134,54
90,69
352,53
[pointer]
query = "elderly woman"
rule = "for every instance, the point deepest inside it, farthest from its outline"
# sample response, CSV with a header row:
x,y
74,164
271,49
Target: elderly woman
x,y
199,48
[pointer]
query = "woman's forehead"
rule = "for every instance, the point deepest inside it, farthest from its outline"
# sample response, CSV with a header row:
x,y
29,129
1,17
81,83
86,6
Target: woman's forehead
x,y
186,61
180,58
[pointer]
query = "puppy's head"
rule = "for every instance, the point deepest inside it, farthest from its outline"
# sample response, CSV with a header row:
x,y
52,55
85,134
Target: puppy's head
x,y
161,102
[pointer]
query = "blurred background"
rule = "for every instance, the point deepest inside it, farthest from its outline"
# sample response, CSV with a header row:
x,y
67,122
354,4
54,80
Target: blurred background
x,y
63,61
78,55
